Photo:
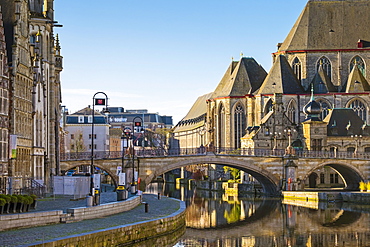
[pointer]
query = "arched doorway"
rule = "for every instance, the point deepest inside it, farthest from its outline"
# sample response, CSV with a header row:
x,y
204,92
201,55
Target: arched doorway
x,y
312,180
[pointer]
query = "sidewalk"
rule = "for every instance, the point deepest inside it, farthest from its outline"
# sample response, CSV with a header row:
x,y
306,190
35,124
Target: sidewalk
x,y
27,236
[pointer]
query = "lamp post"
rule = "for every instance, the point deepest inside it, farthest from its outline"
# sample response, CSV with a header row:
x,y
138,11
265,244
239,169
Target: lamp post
x,y
275,136
101,102
289,150
136,127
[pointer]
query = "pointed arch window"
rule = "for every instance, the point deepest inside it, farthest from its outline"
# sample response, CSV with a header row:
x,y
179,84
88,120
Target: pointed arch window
x,y
268,107
292,109
326,65
360,108
297,68
325,106
357,60
221,127
239,125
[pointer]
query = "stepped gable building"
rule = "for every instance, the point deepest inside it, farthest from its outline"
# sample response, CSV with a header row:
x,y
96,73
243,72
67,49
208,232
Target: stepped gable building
x,y
324,61
35,63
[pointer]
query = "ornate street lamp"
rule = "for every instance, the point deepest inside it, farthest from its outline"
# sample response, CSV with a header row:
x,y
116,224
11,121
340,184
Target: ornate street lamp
x,y
136,127
94,188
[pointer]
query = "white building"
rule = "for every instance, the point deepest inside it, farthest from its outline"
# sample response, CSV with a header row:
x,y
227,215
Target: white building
x,y
78,132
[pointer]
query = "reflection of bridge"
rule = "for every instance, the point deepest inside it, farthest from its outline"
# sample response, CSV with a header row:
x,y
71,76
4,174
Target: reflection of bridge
x,y
267,166
295,225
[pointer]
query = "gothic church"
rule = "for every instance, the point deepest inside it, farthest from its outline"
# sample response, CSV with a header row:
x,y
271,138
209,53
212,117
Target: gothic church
x,y
315,97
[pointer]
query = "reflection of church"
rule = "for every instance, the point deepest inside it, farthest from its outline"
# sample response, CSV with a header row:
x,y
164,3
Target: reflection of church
x,y
316,94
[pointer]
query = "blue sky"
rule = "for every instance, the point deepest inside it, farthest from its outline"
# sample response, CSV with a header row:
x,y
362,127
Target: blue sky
x,y
162,55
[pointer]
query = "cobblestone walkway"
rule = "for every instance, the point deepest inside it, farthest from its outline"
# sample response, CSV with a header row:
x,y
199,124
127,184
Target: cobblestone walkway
x,y
27,236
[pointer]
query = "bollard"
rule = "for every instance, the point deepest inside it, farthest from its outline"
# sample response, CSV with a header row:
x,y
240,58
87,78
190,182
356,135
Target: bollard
x,y
159,196
146,207
89,201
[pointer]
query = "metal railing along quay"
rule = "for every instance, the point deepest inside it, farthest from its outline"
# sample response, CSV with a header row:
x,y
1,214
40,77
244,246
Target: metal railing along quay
x,y
158,152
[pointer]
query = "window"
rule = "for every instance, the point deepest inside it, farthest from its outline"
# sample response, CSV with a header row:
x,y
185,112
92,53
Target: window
x,y
331,178
351,150
239,125
292,112
297,68
316,144
80,119
325,106
359,108
90,119
222,127
90,136
357,60
269,106
322,178
72,136
90,146
326,65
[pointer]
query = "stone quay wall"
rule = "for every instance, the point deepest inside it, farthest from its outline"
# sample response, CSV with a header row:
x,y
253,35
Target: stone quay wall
x,y
125,235
32,219
12,221
85,213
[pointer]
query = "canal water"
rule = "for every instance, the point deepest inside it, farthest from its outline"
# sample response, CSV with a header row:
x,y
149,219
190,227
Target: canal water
x,y
227,220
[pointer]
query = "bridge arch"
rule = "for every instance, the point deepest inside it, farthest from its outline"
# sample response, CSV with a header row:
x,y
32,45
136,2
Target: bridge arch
x,y
268,181
351,175
68,166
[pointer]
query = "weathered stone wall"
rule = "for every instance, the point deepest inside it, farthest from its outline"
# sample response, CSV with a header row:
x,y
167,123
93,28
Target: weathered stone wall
x,y
12,221
85,213
126,234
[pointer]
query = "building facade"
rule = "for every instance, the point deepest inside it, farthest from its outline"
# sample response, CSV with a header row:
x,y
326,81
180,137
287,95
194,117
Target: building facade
x,y
251,108
79,134
35,64
324,59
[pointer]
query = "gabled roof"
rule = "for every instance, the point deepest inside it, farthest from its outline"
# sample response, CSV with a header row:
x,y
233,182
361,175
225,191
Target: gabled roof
x,y
281,79
86,111
330,25
345,121
241,78
196,116
356,82
321,82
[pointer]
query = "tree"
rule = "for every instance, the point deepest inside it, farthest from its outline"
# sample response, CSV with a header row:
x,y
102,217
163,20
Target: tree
x,y
234,172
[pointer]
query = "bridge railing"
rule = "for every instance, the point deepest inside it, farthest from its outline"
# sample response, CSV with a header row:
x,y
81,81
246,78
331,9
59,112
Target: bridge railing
x,y
157,152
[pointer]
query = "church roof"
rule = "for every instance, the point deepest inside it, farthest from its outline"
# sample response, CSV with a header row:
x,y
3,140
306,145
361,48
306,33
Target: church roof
x,y
321,82
281,79
196,116
356,82
330,24
343,122
241,78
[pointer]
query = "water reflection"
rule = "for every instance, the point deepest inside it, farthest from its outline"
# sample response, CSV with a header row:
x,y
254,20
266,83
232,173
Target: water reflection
x,y
216,219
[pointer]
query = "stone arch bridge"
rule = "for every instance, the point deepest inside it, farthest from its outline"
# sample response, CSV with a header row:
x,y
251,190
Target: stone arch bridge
x,y
272,168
